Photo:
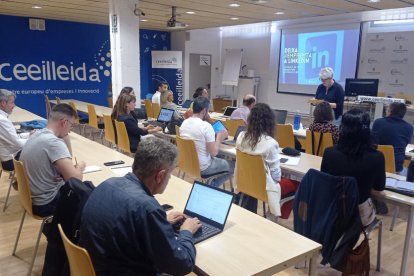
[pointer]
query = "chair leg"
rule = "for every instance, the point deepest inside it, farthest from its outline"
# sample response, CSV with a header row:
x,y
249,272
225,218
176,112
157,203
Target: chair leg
x,y
37,246
264,209
231,184
394,218
379,246
8,194
18,233
182,177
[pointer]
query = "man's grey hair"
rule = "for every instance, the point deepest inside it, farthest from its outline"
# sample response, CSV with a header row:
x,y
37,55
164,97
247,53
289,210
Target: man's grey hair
x,y
153,155
6,94
326,73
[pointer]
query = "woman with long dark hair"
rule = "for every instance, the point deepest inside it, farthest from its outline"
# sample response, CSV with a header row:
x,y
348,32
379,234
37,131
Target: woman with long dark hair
x,y
356,156
258,140
123,110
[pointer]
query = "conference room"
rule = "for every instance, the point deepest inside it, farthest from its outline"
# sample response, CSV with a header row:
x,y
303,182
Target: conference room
x,y
67,51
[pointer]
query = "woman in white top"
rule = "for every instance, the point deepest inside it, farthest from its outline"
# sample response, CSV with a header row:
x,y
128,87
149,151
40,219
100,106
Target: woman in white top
x,y
258,140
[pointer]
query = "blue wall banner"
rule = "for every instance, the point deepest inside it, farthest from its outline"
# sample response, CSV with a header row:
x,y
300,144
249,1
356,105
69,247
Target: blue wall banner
x,y
150,40
167,67
67,60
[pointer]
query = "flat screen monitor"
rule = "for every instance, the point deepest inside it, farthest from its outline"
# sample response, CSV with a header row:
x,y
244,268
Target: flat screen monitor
x,y
361,87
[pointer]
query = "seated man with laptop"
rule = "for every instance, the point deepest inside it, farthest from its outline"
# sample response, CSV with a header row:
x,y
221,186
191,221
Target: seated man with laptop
x,y
207,142
124,228
243,112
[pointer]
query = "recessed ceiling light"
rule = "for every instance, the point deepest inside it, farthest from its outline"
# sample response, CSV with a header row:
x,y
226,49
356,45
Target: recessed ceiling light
x,y
279,13
143,20
373,1
36,7
190,12
234,18
234,5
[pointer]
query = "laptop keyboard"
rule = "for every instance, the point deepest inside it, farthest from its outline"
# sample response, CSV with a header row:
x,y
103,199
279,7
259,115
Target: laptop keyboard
x,y
204,232
155,123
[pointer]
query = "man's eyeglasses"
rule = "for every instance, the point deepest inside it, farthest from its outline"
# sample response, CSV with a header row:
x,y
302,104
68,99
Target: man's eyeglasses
x,y
71,125
321,79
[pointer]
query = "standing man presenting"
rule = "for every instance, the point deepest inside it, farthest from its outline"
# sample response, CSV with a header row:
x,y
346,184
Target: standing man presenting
x,y
162,87
332,92
393,130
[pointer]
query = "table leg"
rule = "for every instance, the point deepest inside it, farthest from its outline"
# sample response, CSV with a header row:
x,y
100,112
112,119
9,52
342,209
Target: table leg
x,y
313,264
407,243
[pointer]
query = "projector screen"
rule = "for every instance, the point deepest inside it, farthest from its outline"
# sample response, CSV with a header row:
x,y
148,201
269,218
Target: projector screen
x,y
303,52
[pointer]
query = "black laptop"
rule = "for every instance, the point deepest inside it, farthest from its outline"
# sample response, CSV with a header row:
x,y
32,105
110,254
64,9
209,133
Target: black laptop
x,y
233,142
164,117
228,111
186,104
211,206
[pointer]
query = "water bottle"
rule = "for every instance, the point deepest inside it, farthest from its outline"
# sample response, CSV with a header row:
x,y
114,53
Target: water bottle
x,y
296,120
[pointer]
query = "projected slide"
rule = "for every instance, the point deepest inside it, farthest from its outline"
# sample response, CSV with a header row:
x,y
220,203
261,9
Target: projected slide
x,y
304,52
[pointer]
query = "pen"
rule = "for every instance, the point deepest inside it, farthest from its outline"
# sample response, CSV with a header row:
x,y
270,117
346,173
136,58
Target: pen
x,y
76,162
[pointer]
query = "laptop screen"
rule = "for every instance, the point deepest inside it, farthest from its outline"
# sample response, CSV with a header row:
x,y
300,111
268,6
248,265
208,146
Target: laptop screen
x,y
165,115
209,202
187,104
239,129
229,110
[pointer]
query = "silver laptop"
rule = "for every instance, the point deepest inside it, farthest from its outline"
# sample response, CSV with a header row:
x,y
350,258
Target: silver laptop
x,y
164,117
211,206
233,142
228,111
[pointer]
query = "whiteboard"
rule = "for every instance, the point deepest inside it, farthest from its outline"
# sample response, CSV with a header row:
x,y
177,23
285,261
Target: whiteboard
x,y
232,64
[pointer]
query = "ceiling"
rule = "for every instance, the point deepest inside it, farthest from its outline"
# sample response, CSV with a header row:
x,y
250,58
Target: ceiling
x,y
208,13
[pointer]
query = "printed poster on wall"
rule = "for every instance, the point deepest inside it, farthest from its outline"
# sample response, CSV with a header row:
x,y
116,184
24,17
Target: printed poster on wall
x,y
167,67
67,60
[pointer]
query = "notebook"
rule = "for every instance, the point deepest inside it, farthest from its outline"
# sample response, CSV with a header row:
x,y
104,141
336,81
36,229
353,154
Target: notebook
x,y
233,142
400,186
186,104
228,111
211,206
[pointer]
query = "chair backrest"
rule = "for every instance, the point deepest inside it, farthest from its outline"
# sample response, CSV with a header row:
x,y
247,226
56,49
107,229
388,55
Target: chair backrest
x,y
156,110
25,195
72,104
284,136
79,261
93,119
48,106
58,101
251,175
122,137
325,143
188,158
109,129
389,156
280,116
148,108
232,125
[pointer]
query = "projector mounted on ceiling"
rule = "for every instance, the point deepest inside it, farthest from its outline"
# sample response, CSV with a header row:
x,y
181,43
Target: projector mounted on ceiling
x,y
172,23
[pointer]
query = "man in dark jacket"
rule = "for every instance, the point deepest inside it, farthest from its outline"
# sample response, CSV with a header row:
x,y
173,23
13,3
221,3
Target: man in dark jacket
x,y
393,130
124,228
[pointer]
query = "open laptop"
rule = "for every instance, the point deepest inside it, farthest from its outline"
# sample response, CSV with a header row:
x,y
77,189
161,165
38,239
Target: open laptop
x,y
211,206
164,117
280,116
186,104
233,142
228,111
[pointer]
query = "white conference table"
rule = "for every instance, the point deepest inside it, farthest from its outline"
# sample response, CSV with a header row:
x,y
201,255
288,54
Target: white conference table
x,y
22,115
249,244
83,107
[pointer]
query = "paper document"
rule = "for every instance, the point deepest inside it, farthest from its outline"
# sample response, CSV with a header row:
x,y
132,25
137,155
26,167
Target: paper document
x,y
399,184
123,170
291,160
93,168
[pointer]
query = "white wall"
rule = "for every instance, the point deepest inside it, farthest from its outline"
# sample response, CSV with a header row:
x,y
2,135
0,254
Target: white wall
x,y
260,43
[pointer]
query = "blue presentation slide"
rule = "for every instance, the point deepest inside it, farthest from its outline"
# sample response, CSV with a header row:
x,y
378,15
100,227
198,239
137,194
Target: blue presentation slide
x,y
304,53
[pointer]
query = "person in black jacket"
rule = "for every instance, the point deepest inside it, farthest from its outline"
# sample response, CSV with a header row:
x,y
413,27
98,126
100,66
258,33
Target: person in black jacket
x,y
123,112
356,156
